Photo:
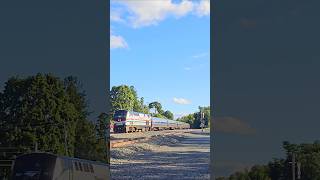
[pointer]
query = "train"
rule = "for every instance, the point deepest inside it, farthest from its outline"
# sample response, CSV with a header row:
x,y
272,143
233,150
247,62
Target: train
x,y
130,121
47,166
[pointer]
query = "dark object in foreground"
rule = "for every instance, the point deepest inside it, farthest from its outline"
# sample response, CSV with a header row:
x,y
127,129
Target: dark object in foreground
x,y
46,166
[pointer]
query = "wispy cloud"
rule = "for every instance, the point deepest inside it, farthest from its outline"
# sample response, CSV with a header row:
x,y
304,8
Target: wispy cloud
x,y
181,101
141,13
187,68
117,42
203,8
232,125
115,15
201,55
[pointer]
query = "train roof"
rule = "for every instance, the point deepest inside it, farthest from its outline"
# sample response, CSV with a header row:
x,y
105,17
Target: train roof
x,y
156,118
66,157
131,112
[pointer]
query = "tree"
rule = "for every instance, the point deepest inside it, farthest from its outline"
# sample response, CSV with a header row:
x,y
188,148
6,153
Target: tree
x,y
51,113
122,97
187,119
144,108
259,172
194,118
157,106
281,169
102,126
309,157
138,105
168,114
91,141
276,168
37,110
206,111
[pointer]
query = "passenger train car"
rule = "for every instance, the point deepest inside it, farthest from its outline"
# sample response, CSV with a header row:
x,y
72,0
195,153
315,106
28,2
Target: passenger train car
x,y
46,166
129,121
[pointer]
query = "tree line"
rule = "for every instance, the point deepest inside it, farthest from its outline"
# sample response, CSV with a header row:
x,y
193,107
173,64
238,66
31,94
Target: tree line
x,y
306,154
51,114
194,118
125,97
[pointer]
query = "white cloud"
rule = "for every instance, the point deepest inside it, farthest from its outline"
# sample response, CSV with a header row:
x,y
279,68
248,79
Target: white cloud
x,y
117,42
181,101
150,12
115,15
187,68
203,8
201,55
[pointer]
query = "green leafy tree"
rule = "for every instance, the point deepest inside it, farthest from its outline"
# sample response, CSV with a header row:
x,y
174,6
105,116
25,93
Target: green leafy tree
x,y
206,111
276,168
37,110
49,112
138,104
187,119
144,108
91,142
157,106
102,126
281,169
194,118
259,172
122,97
168,114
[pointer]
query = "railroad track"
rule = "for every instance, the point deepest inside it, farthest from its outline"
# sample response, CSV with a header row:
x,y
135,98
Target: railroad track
x,y
115,143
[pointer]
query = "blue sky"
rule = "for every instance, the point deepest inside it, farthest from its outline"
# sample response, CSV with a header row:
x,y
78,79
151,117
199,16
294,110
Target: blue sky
x,y
162,49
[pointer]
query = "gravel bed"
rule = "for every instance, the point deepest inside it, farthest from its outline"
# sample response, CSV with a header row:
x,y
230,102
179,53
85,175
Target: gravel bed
x,y
179,156
142,134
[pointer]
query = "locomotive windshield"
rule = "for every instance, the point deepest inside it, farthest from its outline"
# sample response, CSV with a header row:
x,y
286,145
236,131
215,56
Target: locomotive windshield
x,y
34,167
120,114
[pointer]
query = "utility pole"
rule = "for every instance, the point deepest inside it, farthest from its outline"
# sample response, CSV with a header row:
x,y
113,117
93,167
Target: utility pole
x,y
293,167
36,146
299,170
296,166
201,120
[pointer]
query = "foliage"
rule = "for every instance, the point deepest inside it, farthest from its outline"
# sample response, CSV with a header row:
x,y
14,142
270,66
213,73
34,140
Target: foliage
x,y
49,112
194,118
281,169
37,109
122,97
168,114
157,106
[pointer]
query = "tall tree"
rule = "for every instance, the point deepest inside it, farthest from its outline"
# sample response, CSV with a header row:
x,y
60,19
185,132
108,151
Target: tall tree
x,y
144,108
157,106
36,110
168,114
51,113
122,98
